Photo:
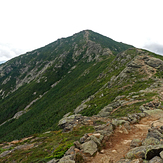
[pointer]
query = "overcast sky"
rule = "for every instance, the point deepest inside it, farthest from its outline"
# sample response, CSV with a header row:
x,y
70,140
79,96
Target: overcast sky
x,y
29,24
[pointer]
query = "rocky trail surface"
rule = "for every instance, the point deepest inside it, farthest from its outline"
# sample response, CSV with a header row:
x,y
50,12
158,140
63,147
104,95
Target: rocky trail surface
x,y
119,143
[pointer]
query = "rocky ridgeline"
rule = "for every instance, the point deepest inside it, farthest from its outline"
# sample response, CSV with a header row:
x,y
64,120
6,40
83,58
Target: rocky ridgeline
x,y
91,143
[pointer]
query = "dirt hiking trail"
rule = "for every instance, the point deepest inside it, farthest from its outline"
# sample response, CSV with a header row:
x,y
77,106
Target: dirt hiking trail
x,y
119,143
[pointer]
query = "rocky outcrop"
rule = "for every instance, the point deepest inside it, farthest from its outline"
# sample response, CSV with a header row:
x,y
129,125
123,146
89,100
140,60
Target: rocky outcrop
x,y
154,62
20,147
68,122
152,147
92,143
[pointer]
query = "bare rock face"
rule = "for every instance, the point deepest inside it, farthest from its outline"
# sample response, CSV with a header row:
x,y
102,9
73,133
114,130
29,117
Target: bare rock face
x,y
154,62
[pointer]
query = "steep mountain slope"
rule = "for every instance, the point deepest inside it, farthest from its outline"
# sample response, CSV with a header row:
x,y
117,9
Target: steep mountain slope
x,y
39,87
81,84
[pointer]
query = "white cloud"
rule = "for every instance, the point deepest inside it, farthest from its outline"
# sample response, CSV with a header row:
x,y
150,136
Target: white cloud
x,y
154,47
7,52
29,24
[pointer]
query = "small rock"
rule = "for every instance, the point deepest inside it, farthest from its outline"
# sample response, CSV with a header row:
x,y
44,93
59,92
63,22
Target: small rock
x,y
124,161
77,144
102,151
124,118
156,159
117,122
89,134
114,151
158,123
97,135
140,160
135,143
127,125
134,120
53,161
70,151
76,150
67,159
142,115
161,154
125,131
83,138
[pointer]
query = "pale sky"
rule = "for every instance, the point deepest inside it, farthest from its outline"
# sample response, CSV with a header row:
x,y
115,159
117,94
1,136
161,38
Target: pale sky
x,y
26,25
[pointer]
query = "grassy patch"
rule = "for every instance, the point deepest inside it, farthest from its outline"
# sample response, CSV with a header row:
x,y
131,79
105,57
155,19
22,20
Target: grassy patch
x,y
48,146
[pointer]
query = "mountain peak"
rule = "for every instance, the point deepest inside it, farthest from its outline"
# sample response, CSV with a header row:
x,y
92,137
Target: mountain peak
x,y
63,66
69,81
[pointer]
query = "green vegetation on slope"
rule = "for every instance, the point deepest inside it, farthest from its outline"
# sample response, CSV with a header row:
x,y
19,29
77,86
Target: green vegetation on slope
x,y
38,70
47,146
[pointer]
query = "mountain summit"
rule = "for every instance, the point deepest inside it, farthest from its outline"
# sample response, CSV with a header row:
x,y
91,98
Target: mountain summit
x,y
84,79
39,87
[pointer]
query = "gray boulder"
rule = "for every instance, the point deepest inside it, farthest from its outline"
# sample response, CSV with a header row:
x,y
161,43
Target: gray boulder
x,y
150,141
155,133
89,147
97,141
70,119
138,152
104,113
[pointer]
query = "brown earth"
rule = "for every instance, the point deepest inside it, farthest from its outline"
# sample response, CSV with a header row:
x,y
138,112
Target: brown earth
x,y
119,143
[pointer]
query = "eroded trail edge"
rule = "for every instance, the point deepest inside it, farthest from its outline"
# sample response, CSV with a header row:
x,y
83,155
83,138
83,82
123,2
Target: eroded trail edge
x,y
119,143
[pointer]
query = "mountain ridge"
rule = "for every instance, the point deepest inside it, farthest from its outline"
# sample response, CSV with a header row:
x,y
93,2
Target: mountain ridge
x,y
87,74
